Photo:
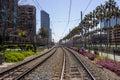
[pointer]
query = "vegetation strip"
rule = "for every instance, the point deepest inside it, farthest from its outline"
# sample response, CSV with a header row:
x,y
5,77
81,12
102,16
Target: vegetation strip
x,y
22,63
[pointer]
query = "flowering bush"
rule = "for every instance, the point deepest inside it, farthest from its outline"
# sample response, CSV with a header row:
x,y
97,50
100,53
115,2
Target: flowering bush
x,y
90,56
111,65
73,48
84,53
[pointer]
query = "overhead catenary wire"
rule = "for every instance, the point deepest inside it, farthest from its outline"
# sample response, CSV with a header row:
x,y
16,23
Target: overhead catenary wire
x,y
60,21
38,5
87,7
78,20
22,1
68,17
64,21
69,11
55,35
52,27
84,10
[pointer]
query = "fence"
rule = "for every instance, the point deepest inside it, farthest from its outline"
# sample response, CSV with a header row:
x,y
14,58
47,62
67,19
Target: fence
x,y
1,58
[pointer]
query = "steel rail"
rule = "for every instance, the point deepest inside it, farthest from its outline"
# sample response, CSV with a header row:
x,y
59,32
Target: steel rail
x,y
63,67
32,68
22,63
80,61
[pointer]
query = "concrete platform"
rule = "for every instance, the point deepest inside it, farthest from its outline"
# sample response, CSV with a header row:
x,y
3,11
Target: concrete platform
x,y
5,64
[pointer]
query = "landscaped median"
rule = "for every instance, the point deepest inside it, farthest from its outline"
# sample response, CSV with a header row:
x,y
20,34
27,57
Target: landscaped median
x,y
15,56
109,64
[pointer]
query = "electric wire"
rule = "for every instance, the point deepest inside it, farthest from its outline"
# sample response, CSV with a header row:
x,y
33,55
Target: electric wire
x,y
37,4
22,1
64,21
68,18
69,11
87,7
84,10
52,27
83,14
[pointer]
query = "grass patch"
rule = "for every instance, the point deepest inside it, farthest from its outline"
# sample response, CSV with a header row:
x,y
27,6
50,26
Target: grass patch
x,y
100,58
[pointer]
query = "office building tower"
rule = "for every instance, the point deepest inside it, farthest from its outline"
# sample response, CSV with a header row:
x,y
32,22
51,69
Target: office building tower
x,y
45,22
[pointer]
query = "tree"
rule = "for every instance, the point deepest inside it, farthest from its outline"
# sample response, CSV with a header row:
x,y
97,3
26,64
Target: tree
x,y
43,32
22,34
86,24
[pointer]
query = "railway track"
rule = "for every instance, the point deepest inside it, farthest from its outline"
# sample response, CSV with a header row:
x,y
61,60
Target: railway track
x,y
95,71
19,71
58,63
74,68
50,70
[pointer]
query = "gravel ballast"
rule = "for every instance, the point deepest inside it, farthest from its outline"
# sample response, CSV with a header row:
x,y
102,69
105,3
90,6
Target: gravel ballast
x,y
49,70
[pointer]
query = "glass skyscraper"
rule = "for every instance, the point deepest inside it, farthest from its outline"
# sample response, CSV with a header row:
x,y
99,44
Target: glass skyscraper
x,y
45,22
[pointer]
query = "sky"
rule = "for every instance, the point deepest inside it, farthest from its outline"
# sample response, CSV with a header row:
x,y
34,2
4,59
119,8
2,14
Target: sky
x,y
62,17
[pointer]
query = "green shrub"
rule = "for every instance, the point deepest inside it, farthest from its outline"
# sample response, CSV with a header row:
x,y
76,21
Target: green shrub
x,y
78,47
96,52
89,49
28,53
19,56
10,58
13,56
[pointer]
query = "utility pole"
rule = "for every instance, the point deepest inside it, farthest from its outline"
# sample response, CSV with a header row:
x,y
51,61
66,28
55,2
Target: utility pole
x,y
70,42
82,32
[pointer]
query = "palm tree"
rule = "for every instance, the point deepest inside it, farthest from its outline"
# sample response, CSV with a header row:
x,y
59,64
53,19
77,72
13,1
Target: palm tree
x,y
86,24
72,33
116,13
110,6
111,11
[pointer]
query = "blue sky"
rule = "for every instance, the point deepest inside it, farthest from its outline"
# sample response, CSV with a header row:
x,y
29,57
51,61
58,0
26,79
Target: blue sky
x,y
59,11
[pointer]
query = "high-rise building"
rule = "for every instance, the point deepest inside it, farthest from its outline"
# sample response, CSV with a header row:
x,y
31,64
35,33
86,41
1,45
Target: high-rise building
x,y
113,22
8,17
45,22
27,21
113,35
45,19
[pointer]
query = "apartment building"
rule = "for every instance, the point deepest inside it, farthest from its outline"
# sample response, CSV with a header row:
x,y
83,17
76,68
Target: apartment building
x,y
27,21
